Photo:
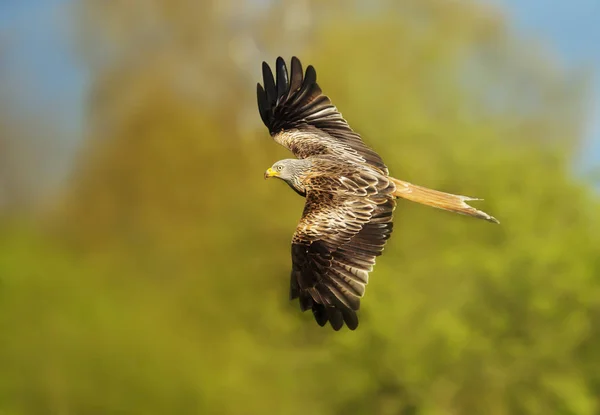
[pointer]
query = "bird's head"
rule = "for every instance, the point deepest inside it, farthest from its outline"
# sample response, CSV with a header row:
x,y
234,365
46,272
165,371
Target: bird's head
x,y
281,170
290,171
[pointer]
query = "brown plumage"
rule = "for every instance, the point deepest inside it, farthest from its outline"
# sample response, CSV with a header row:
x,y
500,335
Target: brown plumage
x,y
350,198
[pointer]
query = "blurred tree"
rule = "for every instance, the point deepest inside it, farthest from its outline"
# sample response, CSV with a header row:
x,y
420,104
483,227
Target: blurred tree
x,y
170,293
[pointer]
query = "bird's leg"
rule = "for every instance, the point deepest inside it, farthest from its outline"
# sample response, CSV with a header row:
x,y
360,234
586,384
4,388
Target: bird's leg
x,y
440,200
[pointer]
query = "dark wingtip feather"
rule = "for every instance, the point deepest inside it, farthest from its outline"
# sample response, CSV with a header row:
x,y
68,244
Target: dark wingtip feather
x,y
335,318
281,77
296,63
350,318
310,76
263,104
296,76
269,84
320,314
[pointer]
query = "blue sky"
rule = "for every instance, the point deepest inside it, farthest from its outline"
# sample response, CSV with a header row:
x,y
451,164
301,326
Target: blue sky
x,y
572,29
36,35
38,39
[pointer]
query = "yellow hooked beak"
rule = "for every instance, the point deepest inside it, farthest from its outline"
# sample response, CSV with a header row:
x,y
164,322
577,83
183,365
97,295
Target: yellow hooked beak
x,y
271,173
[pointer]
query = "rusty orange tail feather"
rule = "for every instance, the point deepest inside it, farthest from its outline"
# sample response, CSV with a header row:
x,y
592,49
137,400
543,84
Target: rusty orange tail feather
x,y
440,200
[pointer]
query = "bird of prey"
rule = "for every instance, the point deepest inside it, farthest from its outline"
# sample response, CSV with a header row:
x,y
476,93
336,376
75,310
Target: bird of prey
x,y
350,196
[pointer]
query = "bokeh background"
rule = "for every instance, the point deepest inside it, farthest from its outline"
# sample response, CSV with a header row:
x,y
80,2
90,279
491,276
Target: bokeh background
x,y
144,261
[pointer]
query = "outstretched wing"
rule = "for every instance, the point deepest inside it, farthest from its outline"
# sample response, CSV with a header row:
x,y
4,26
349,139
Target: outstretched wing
x,y
302,119
335,246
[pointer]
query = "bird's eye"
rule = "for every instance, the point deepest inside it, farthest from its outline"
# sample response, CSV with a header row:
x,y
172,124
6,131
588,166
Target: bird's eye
x,y
279,168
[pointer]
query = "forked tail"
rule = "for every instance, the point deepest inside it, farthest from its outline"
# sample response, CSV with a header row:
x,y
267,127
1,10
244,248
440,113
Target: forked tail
x,y
440,200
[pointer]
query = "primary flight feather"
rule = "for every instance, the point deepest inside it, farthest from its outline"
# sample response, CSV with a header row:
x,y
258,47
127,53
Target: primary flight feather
x,y
350,198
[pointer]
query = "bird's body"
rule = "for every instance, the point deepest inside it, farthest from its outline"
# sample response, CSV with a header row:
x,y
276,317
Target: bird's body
x,y
350,197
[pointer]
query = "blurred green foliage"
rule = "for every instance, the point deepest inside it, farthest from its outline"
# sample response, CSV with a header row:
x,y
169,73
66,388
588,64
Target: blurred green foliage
x,y
159,284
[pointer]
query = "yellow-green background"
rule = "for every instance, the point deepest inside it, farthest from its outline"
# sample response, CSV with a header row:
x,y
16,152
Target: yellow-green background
x,y
156,279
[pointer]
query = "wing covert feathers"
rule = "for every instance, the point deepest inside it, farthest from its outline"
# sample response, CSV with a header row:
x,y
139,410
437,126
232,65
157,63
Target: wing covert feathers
x,y
335,246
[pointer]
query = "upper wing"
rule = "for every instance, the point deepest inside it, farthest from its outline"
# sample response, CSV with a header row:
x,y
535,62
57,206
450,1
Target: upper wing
x,y
304,120
335,245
